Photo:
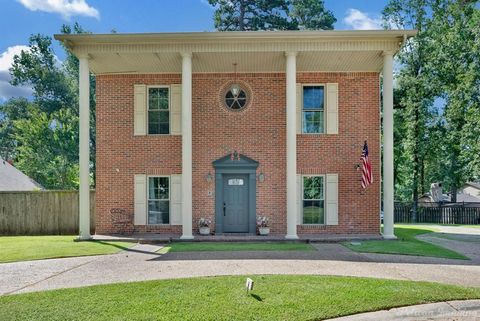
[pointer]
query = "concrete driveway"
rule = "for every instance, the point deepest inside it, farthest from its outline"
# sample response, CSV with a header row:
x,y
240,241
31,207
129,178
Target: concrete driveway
x,y
143,263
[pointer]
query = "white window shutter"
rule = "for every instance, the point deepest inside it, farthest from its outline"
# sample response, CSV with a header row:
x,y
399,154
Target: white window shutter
x,y
332,108
299,200
140,110
176,199
176,109
140,202
332,199
299,106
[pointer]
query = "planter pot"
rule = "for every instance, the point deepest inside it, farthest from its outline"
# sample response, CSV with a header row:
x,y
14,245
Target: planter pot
x,y
263,230
204,231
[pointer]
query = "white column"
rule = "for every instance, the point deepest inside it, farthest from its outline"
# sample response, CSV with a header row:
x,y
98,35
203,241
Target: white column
x,y
186,146
291,77
388,146
84,150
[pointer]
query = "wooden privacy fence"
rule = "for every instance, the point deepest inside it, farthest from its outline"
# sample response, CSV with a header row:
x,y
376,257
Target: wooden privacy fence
x,y
41,212
449,213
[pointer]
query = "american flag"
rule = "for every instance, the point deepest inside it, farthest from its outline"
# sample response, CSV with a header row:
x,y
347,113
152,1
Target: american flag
x,y
367,178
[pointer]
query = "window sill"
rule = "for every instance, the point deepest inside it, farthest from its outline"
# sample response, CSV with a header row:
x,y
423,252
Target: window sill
x,y
313,134
313,225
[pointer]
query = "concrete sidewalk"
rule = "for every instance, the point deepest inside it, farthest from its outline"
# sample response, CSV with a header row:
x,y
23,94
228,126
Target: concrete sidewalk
x,y
143,263
451,310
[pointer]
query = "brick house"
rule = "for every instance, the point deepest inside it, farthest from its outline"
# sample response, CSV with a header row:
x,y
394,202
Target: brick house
x,y
230,126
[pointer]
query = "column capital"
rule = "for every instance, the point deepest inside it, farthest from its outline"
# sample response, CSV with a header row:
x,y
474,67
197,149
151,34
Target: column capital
x,y
291,53
84,56
186,54
388,53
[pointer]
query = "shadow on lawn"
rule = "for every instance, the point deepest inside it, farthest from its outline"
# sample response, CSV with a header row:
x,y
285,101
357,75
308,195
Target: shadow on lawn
x,y
122,247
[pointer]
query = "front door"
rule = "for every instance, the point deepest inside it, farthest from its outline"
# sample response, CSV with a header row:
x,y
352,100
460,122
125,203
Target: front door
x,y
235,203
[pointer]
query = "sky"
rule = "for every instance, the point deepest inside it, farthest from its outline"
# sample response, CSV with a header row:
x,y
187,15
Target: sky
x,y
21,18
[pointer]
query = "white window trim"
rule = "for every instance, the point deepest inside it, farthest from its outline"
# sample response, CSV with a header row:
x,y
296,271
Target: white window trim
x,y
169,199
169,109
324,213
324,111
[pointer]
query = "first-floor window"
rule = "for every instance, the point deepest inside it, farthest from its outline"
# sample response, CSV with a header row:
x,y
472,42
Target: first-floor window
x,y
158,200
313,200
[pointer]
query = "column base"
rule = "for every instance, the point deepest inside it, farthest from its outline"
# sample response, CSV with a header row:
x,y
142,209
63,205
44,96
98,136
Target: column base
x,y
389,237
84,237
186,237
291,237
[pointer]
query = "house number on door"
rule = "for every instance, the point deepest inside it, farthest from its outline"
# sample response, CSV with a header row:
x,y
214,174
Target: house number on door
x,y
235,181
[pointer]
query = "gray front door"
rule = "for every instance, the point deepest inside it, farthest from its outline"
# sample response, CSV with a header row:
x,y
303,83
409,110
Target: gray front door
x,y
235,203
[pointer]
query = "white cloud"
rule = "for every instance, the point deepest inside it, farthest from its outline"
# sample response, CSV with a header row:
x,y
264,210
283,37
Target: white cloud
x,y
66,8
359,20
6,61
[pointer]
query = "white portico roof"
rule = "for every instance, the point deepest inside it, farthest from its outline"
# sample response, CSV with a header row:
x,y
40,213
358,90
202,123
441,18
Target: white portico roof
x,y
256,51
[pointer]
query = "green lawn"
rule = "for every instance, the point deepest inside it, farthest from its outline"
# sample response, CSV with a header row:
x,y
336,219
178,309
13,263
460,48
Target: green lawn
x,y
235,246
23,248
406,244
275,297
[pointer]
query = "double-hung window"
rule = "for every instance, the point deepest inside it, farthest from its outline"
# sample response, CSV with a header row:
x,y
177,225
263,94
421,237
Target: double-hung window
x,y
313,200
158,110
158,200
313,110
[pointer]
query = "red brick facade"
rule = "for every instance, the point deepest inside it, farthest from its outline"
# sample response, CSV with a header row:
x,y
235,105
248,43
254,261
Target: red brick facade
x,y
257,132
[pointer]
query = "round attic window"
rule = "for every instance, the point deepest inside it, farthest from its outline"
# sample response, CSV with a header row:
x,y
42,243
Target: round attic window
x,y
236,97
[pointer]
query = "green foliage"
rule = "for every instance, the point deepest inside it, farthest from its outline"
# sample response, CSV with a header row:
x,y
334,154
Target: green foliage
x,y
251,15
26,248
47,148
311,15
41,135
441,64
223,298
234,246
39,68
407,244
12,110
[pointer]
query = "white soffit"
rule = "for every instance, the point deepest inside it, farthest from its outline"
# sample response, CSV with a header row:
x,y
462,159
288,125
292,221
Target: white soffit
x,y
246,62
252,51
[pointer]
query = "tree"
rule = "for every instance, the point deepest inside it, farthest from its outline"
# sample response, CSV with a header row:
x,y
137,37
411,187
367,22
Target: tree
x,y
457,73
251,15
12,110
437,91
42,134
414,94
47,147
312,15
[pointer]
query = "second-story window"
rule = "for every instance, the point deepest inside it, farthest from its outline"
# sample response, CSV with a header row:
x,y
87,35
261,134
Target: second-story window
x,y
158,110
313,110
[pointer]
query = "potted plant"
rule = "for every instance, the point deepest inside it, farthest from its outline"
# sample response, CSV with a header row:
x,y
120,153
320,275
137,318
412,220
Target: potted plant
x,y
204,226
262,224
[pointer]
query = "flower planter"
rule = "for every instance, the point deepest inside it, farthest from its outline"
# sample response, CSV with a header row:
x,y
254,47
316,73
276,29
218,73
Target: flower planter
x,y
263,230
204,231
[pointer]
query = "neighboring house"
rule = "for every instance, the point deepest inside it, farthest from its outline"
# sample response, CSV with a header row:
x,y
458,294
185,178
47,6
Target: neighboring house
x,y
469,195
12,179
470,191
232,125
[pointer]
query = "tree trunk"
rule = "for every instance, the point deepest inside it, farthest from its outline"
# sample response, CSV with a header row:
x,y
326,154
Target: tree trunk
x,y
453,197
422,178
